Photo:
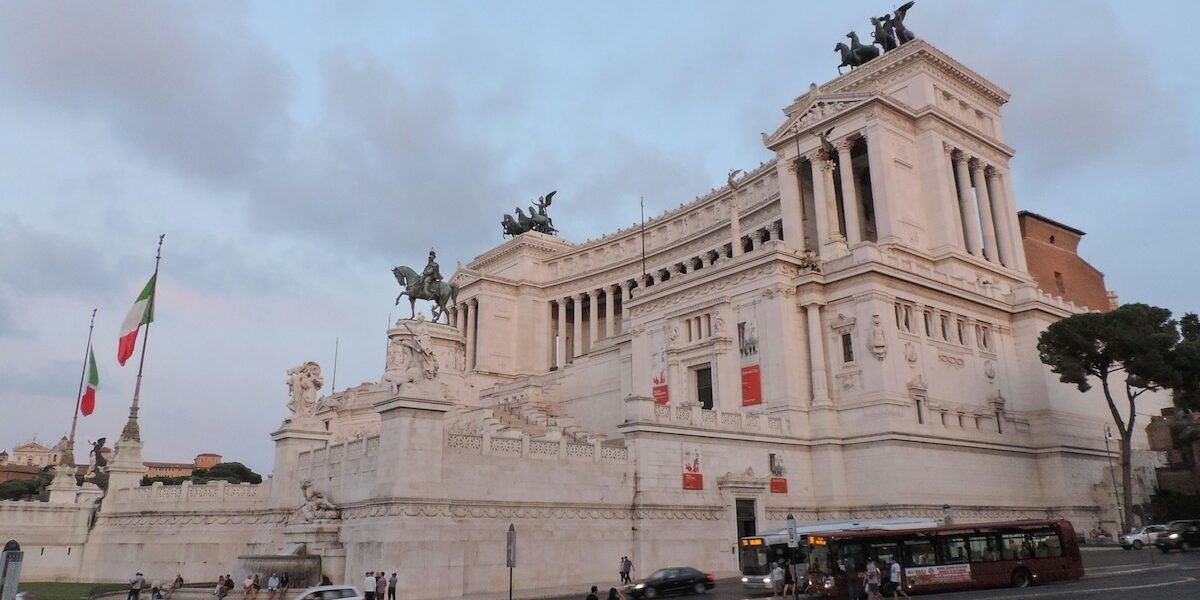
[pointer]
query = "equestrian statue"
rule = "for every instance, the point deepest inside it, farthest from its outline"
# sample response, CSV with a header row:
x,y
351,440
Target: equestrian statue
x,y
889,33
427,285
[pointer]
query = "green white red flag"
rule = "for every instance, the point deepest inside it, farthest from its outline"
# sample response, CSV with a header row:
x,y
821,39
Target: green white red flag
x,y
142,313
88,402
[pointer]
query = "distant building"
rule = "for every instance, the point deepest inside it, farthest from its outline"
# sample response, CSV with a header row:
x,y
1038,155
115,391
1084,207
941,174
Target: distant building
x,y
1181,474
33,454
36,456
1054,262
17,472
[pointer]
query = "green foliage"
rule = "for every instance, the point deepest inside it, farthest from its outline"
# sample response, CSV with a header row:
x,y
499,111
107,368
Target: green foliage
x,y
165,480
233,472
20,489
1186,389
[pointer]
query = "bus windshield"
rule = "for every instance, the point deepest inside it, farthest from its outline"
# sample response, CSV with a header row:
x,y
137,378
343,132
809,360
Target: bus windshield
x,y
755,560
818,560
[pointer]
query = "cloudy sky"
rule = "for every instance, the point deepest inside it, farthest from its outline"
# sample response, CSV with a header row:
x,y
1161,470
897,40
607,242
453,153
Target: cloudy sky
x,y
294,152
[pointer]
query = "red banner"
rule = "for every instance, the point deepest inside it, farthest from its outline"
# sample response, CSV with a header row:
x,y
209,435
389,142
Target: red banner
x,y
660,394
778,485
693,481
751,386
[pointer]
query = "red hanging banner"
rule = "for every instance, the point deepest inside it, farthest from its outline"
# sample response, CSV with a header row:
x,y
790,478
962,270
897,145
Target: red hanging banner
x,y
751,385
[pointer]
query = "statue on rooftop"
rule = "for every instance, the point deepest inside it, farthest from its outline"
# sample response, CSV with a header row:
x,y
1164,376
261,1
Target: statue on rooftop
x,y
537,220
303,383
894,25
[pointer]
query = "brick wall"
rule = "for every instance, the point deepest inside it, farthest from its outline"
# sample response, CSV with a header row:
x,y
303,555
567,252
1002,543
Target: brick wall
x,y
1051,249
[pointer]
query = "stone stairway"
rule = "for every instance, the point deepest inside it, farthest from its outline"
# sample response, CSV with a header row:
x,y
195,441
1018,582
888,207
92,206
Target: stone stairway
x,y
523,416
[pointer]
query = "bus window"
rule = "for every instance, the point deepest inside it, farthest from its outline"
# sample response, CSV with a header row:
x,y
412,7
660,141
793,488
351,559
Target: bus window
x,y
918,553
1045,544
954,550
883,553
983,548
1013,546
853,552
818,560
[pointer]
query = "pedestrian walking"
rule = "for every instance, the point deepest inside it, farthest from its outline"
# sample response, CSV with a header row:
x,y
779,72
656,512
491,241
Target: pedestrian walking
x,y
369,586
896,577
777,578
392,581
381,586
626,570
854,584
789,582
873,577
593,596
135,586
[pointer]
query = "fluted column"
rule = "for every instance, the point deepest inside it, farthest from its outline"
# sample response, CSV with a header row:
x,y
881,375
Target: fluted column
x,y
791,209
735,224
610,311
577,330
966,202
1002,214
985,211
593,320
561,343
816,353
550,345
461,323
472,326
850,201
957,222
819,206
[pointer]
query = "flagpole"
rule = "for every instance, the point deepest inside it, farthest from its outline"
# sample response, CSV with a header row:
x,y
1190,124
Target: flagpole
x,y
642,205
131,431
69,456
336,341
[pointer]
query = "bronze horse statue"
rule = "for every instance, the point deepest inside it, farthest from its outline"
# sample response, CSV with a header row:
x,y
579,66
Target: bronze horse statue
x,y
442,295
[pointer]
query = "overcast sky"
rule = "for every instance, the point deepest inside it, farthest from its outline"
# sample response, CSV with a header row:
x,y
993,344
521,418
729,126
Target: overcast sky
x,y
294,152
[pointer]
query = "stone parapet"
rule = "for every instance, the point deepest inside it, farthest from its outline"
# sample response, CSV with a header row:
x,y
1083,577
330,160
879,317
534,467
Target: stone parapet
x,y
639,410
524,447
220,492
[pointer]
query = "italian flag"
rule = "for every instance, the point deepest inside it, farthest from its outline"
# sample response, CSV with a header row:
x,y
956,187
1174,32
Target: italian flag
x,y
88,403
142,313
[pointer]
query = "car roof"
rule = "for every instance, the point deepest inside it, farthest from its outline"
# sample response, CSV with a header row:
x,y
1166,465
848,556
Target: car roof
x,y
321,588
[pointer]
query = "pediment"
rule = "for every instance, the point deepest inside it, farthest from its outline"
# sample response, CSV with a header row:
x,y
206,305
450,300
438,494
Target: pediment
x,y
813,109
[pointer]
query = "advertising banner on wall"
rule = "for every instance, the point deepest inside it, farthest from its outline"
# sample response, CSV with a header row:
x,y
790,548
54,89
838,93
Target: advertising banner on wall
x,y
916,576
748,350
658,371
692,478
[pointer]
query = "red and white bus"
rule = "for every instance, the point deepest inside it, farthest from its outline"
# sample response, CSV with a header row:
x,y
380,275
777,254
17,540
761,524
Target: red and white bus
x,y
953,558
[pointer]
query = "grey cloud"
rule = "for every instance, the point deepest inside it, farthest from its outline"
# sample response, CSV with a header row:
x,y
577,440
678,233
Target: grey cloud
x,y
34,261
187,83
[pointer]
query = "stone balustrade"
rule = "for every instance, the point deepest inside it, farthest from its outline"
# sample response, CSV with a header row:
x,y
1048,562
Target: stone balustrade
x,y
187,492
525,447
644,411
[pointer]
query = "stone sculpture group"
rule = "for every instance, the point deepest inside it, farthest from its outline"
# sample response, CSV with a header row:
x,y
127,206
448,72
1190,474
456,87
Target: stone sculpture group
x,y
316,506
303,382
537,220
890,33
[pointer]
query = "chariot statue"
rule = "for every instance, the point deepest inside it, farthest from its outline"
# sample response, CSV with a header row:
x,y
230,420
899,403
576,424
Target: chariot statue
x,y
889,33
427,285
537,219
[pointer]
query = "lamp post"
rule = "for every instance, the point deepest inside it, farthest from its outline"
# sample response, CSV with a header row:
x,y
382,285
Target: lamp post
x,y
793,544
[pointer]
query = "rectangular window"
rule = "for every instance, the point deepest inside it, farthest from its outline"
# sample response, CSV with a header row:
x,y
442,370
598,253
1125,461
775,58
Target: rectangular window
x,y
1045,544
945,322
982,548
928,324
1058,283
883,553
898,319
999,422
985,337
919,553
704,388
953,550
920,411
847,349
1013,546
962,331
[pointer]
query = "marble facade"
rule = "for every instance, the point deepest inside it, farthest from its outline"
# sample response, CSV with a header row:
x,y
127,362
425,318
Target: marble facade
x,y
845,333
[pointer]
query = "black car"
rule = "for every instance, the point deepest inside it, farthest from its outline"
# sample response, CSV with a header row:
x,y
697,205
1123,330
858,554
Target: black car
x,y
1180,535
673,580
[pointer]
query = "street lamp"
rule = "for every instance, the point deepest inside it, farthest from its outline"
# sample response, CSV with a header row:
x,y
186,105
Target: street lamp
x,y
793,544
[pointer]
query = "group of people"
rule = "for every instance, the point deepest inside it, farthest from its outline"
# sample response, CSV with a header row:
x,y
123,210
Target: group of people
x,y
626,569
277,586
873,581
379,586
157,591
613,594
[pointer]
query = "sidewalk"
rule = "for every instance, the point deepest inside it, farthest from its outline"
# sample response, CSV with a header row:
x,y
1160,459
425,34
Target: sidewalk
x,y
579,591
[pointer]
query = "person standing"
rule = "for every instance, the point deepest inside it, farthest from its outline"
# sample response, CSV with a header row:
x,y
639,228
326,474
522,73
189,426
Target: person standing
x,y
381,584
369,586
392,581
789,583
853,579
897,575
777,579
135,586
873,577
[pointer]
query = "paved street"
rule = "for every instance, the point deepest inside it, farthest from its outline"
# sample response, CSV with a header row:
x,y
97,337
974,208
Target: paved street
x,y
1111,573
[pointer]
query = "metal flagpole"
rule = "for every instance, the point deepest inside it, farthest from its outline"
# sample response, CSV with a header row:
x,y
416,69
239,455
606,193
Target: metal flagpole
x,y
131,431
69,459
642,203
333,386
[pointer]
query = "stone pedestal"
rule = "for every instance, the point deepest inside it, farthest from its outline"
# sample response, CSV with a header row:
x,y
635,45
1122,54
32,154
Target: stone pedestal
x,y
411,437
296,435
126,469
321,538
63,489
449,351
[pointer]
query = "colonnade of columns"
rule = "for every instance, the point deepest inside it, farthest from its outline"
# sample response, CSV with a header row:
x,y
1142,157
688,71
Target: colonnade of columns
x,y
832,239
585,306
986,210
465,317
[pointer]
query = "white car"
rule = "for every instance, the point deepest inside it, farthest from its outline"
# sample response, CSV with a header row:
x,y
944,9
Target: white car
x,y
330,592
1138,538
